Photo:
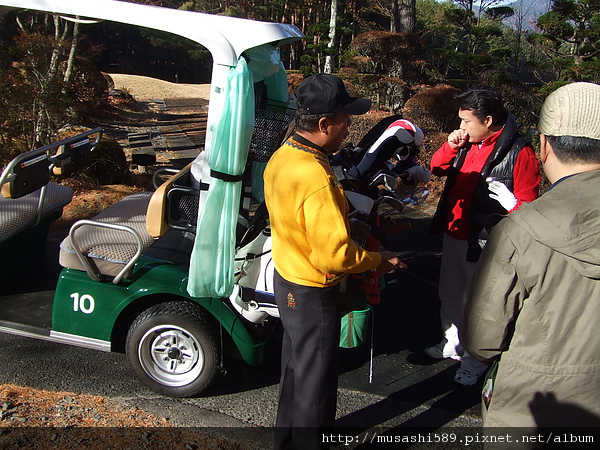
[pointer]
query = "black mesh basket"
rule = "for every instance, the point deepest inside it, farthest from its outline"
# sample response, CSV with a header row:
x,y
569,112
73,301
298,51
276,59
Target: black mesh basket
x,y
187,208
182,205
270,127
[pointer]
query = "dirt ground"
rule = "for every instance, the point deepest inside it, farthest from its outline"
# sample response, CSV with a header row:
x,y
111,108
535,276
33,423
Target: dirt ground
x,y
35,419
145,88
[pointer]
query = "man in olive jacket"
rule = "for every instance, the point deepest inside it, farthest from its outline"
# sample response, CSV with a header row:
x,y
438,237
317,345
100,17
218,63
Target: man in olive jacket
x,y
534,302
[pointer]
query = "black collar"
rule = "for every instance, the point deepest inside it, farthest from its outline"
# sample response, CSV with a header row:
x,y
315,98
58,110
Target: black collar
x,y
302,140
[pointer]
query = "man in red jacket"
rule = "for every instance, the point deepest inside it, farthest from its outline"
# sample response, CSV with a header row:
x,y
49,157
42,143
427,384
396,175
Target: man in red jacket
x,y
490,171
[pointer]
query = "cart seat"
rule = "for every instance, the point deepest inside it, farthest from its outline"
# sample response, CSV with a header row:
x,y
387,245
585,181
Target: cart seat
x,y
18,214
174,204
109,250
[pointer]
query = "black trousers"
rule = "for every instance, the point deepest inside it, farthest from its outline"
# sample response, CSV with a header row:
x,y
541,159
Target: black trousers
x,y
309,363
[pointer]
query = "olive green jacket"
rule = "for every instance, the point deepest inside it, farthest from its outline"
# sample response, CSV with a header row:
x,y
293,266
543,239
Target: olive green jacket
x,y
534,305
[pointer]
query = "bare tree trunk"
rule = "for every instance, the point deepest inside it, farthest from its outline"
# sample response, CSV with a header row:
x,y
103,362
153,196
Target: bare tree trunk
x,y
71,59
402,14
355,20
395,17
406,11
284,18
332,36
42,127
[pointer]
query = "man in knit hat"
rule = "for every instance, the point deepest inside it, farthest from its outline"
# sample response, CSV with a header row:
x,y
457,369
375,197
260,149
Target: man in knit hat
x,y
533,305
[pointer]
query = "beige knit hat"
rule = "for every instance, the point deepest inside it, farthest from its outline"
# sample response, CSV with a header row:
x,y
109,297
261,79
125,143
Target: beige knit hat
x,y
572,110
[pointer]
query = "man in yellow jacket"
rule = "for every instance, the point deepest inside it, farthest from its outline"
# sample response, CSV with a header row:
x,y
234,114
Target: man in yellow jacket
x,y
312,251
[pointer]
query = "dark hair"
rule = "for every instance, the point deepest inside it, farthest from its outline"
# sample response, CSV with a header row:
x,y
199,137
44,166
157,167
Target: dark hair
x,y
575,149
483,101
310,122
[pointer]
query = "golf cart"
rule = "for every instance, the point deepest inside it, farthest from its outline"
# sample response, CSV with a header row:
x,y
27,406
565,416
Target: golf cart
x,y
152,275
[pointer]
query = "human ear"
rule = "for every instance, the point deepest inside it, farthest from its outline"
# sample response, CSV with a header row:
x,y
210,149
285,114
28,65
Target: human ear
x,y
545,148
552,166
323,125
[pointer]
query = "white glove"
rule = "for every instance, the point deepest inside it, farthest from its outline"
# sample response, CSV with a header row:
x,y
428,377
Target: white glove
x,y
502,195
420,173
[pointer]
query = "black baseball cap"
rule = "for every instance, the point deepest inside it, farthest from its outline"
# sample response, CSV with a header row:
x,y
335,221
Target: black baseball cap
x,y
323,93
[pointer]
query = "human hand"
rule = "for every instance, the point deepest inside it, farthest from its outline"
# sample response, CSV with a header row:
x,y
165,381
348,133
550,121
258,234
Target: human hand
x,y
457,139
420,173
500,193
390,262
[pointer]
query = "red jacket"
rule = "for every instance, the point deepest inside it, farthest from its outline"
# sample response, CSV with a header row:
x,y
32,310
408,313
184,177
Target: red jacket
x,y
526,175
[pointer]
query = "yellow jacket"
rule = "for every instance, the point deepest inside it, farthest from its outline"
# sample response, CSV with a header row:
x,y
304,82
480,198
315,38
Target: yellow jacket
x,y
308,214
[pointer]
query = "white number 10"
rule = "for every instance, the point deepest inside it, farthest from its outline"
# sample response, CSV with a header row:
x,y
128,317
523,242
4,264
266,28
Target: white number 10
x,y
84,303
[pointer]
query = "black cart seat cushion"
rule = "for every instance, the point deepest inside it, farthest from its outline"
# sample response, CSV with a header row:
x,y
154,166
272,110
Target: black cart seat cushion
x,y
18,214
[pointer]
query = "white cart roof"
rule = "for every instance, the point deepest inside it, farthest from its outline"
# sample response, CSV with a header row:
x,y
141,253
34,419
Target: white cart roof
x,y
225,37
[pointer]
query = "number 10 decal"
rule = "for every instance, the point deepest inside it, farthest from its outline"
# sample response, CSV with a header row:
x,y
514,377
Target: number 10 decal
x,y
84,303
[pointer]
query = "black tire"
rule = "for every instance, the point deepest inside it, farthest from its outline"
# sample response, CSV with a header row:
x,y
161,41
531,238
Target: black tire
x,y
172,349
